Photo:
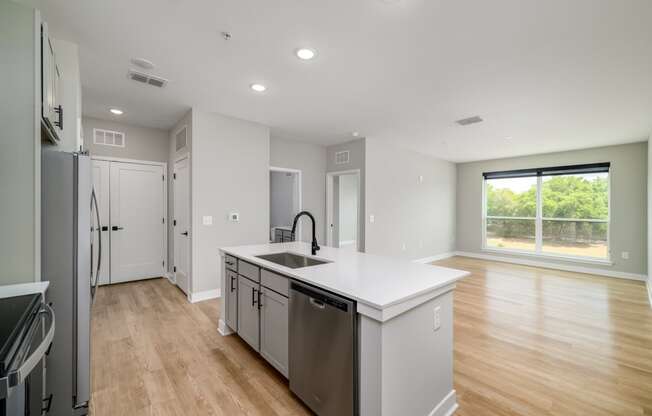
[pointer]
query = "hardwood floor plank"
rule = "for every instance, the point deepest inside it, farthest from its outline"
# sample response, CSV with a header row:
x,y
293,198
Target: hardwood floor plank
x,y
528,341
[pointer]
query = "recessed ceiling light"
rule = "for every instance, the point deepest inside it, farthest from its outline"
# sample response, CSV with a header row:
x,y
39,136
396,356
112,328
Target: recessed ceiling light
x,y
258,87
116,111
305,54
143,63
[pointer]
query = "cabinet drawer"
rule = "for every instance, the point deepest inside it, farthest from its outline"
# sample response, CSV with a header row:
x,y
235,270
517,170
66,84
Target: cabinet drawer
x,y
249,271
274,281
231,263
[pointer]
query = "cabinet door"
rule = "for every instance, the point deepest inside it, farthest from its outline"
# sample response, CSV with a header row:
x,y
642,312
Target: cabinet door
x,y
231,299
248,313
274,329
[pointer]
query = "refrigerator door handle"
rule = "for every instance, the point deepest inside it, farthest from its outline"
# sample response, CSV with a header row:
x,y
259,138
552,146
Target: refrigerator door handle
x,y
99,246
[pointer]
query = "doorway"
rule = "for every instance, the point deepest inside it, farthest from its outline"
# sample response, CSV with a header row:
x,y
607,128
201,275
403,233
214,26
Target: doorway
x,y
132,204
343,209
181,224
284,203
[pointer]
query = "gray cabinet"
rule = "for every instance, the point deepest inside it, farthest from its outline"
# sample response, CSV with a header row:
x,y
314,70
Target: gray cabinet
x,y
231,299
274,329
248,312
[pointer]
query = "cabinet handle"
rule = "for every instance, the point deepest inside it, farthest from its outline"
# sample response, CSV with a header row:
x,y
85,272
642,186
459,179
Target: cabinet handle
x,y
59,110
253,297
260,303
232,279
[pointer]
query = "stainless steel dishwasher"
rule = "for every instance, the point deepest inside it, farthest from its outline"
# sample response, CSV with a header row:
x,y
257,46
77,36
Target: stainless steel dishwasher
x,y
323,351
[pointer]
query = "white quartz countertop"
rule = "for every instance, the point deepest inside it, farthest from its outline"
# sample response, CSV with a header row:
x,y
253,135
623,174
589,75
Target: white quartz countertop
x,y
21,289
377,282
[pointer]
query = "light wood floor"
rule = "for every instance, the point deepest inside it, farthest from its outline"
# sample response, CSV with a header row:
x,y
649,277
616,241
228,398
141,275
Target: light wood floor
x,y
528,341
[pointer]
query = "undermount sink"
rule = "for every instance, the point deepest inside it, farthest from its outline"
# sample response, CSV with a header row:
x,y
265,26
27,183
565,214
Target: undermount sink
x,y
291,260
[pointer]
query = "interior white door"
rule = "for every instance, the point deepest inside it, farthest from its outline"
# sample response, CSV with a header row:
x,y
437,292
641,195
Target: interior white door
x,y
181,224
101,187
137,221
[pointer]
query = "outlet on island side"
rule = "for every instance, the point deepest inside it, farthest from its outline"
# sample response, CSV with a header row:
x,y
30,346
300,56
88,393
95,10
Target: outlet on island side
x,y
437,316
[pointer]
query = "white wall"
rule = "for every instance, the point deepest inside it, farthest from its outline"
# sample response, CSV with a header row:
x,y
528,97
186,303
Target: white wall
x,y
141,143
310,159
281,199
348,204
20,140
413,220
230,173
628,205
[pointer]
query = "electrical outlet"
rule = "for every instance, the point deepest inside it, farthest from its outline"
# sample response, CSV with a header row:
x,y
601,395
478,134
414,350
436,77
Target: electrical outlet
x,y
234,216
625,255
420,179
403,246
372,218
207,220
437,316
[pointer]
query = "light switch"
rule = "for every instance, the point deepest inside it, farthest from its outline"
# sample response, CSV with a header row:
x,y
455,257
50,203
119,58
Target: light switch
x,y
207,220
625,255
372,218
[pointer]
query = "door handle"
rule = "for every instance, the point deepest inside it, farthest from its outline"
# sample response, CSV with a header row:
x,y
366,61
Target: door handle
x,y
185,233
116,228
105,228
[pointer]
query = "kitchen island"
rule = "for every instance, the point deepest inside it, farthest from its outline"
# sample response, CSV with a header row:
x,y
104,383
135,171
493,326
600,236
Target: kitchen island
x,y
403,318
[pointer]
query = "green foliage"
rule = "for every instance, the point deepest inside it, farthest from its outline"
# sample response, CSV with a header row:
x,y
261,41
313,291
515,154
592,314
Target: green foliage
x,y
563,197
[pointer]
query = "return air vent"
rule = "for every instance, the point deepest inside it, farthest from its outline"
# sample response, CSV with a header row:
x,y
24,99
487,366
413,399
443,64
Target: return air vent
x,y
342,158
147,79
108,138
469,120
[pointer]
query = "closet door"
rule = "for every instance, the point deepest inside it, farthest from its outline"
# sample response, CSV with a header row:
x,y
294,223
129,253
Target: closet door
x,y
101,186
137,221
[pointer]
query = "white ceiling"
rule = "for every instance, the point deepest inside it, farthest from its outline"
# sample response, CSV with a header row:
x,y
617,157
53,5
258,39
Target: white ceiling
x,y
551,74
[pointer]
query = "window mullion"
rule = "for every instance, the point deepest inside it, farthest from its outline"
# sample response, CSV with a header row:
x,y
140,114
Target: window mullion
x,y
538,228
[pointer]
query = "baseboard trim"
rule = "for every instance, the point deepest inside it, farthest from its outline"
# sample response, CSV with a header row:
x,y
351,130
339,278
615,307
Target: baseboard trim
x,y
171,278
447,406
205,295
223,328
436,257
554,266
649,290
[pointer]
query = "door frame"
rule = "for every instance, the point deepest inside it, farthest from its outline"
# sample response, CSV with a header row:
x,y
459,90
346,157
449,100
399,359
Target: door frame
x,y
298,192
171,276
165,181
330,178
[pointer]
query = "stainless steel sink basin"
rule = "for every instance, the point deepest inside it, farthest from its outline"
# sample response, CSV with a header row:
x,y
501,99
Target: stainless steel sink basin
x,y
291,260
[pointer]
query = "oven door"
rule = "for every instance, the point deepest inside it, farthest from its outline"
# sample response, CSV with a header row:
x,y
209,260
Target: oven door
x,y
23,385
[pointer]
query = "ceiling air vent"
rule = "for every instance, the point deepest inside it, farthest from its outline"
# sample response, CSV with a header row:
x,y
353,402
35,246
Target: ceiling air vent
x,y
342,158
469,120
147,78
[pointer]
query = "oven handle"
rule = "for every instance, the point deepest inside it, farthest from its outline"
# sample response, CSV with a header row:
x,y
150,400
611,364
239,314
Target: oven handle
x,y
18,376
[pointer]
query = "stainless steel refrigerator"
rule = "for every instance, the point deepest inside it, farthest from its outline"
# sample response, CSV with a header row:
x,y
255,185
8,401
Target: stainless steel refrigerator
x,y
70,261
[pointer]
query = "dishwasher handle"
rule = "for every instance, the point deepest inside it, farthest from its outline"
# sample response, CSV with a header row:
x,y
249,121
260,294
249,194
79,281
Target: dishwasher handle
x,y
320,299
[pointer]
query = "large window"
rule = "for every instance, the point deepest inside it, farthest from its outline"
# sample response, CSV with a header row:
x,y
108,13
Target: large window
x,y
562,211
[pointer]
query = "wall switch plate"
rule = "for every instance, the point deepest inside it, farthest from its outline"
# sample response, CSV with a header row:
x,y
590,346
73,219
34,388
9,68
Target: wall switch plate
x,y
625,255
372,218
420,179
234,216
403,246
437,316
207,220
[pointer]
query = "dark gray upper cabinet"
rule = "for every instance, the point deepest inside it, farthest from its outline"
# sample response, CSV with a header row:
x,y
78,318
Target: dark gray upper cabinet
x,y
274,329
248,313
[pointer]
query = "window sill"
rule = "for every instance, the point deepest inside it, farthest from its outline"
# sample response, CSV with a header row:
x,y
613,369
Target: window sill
x,y
586,260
